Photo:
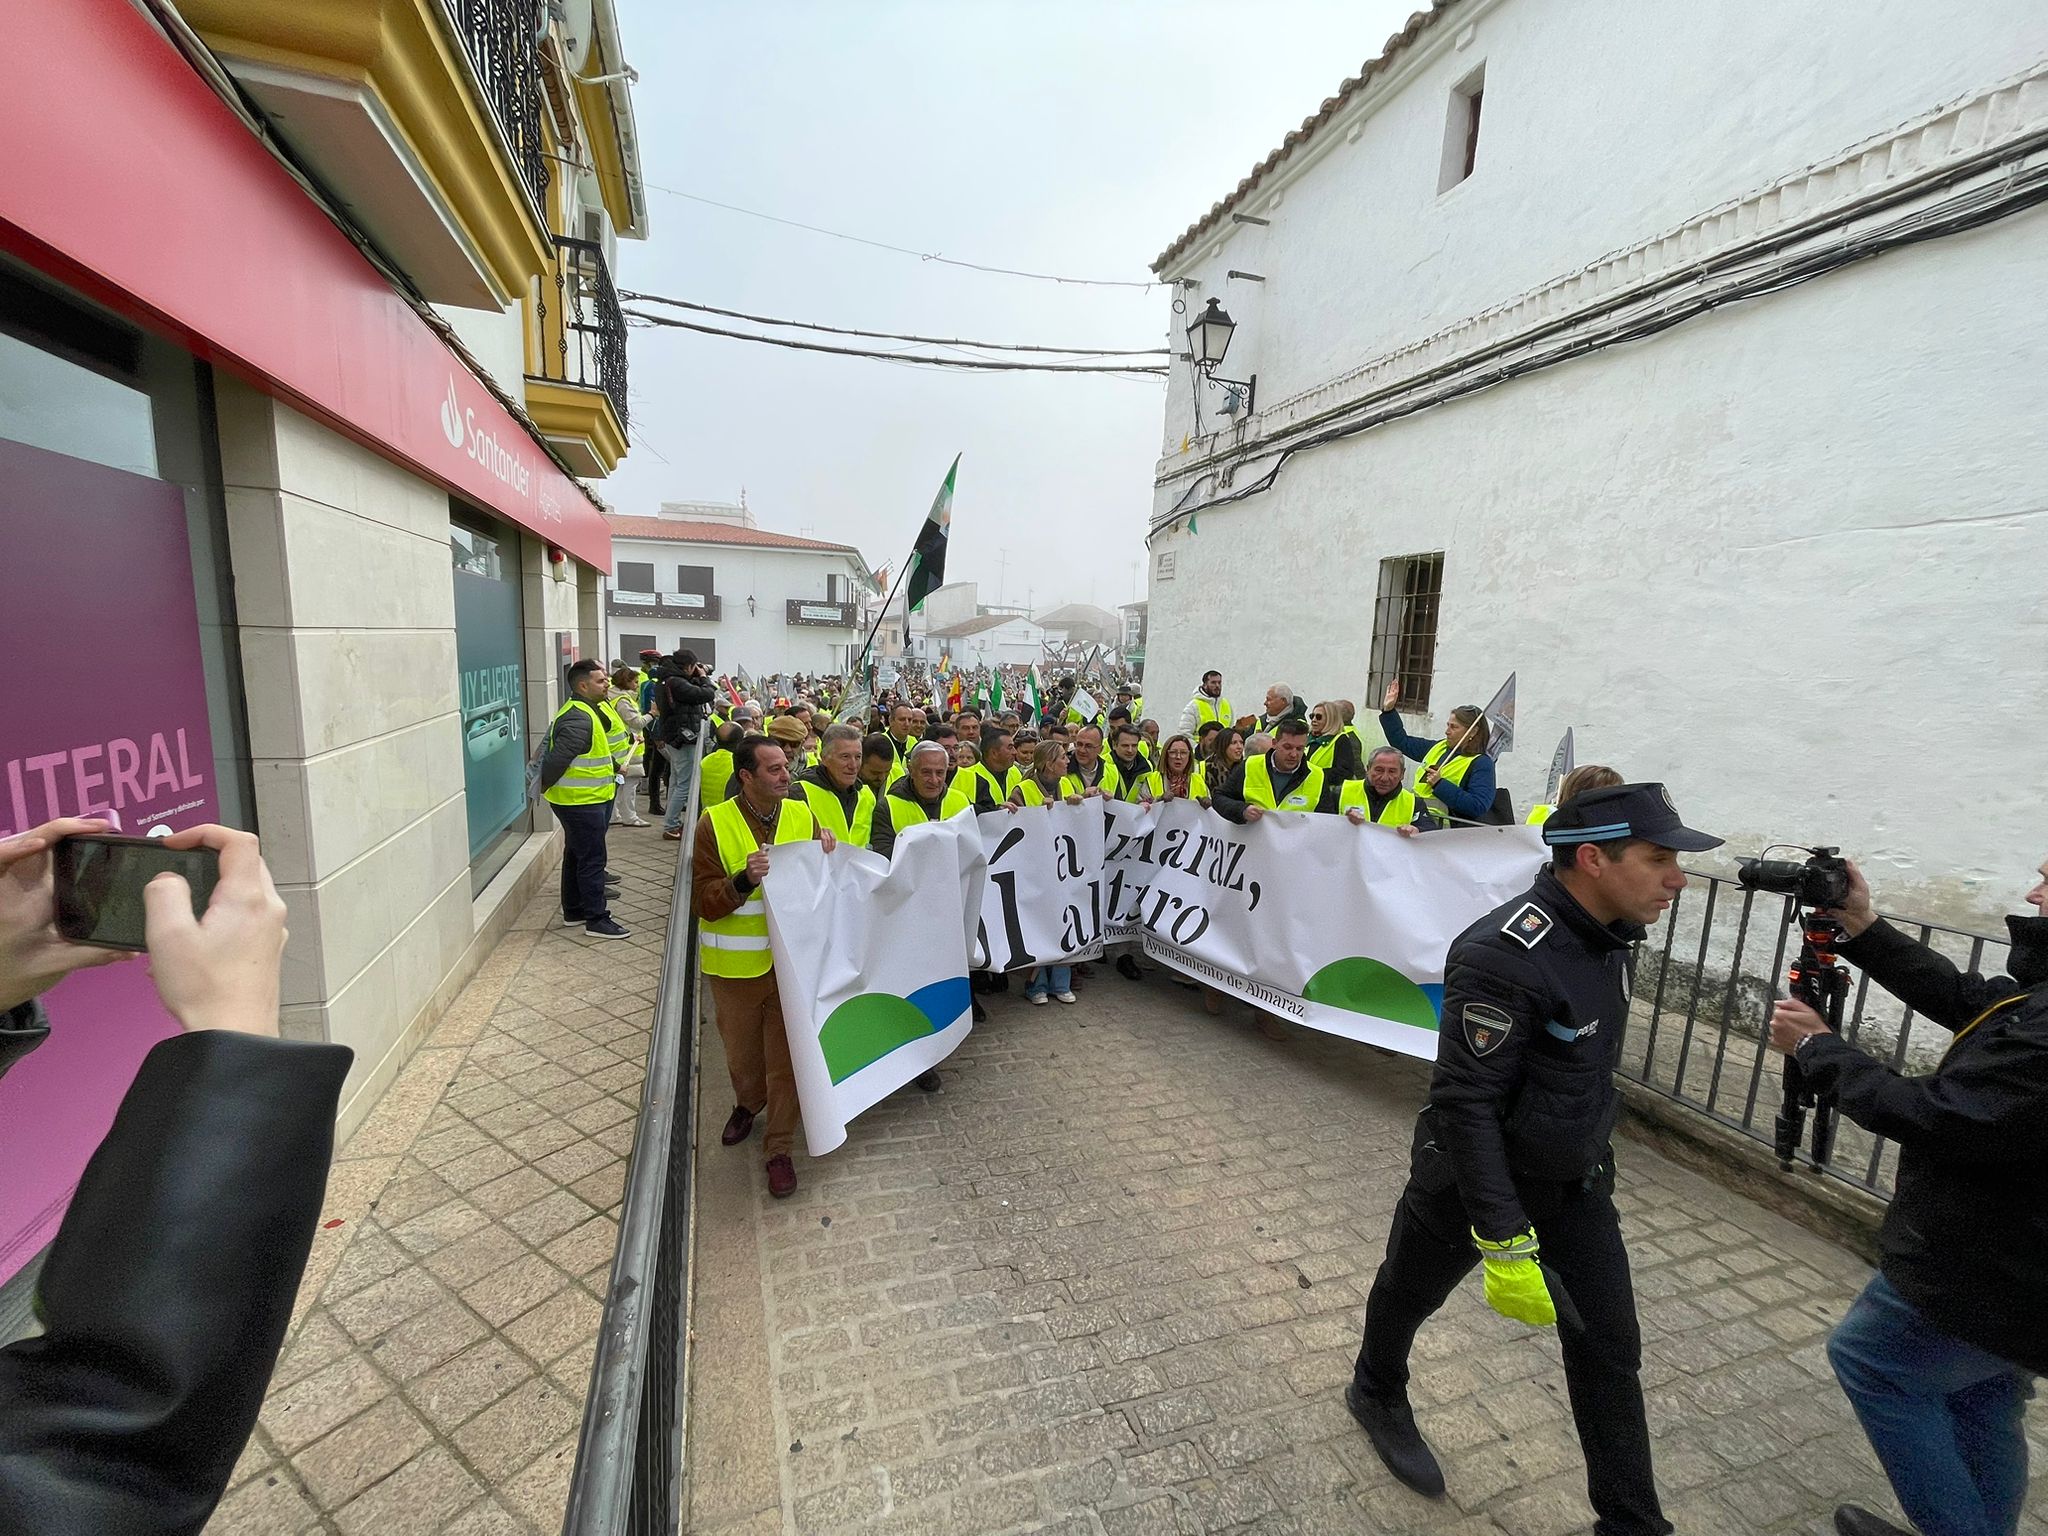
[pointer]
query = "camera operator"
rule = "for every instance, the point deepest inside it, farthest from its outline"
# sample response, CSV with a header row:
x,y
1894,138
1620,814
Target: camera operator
x,y
167,1290
681,697
1938,1354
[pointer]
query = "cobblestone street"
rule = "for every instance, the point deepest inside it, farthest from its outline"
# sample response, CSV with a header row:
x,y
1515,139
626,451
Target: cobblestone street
x,y
1110,1278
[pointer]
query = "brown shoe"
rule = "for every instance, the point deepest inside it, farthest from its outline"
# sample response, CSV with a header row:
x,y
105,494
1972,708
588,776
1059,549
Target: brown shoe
x,y
674,836
781,1176
738,1128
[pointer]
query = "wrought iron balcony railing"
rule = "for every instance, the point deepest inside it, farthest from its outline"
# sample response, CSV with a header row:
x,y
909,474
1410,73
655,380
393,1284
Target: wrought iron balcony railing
x,y
503,39
583,330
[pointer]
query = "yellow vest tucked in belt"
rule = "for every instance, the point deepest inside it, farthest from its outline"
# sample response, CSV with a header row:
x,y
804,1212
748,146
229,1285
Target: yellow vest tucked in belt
x,y
1155,784
1258,787
1399,810
714,777
908,813
737,944
831,815
1454,772
1207,709
587,780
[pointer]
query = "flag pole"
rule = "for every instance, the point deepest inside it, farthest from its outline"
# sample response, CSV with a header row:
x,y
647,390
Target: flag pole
x,y
883,612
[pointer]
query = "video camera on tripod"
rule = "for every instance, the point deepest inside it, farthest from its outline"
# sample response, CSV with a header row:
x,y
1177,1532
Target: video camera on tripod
x,y
1816,978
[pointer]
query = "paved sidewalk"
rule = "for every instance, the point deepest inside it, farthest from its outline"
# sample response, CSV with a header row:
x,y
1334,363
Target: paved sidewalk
x,y
435,1378
1109,1281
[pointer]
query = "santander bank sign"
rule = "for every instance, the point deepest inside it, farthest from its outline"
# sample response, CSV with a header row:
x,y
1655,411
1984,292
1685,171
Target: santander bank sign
x,y
492,443
499,460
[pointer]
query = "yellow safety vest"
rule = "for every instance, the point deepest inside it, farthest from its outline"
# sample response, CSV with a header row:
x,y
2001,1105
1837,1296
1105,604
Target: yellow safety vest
x,y
1454,771
1031,793
1324,757
1398,812
1539,814
1108,783
737,945
1124,788
1207,710
588,780
714,777
1258,787
635,747
897,768
1198,783
826,807
908,813
980,773
1013,778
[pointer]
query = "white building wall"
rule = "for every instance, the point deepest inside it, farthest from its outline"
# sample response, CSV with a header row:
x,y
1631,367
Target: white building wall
x,y
763,641
1787,558
496,339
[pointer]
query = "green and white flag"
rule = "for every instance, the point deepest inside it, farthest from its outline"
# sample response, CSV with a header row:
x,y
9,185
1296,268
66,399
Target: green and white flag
x,y
1031,690
995,692
928,559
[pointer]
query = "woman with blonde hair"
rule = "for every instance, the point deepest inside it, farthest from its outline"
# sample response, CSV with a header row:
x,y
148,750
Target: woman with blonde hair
x,y
1577,782
1041,786
624,700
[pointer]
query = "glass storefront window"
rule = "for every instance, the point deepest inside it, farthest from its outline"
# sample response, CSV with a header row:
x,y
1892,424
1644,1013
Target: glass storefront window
x,y
488,655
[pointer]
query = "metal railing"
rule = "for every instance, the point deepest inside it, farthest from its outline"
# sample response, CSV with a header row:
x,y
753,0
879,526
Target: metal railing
x,y
583,330
503,40
1698,1032
628,1478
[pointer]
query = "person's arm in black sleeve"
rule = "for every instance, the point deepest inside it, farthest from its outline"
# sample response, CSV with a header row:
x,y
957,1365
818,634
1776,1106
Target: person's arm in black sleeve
x,y
571,739
691,691
1228,801
1989,1107
22,1029
1923,979
167,1291
1486,990
882,836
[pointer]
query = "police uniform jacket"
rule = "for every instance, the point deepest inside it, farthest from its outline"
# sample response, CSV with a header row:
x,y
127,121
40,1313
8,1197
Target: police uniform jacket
x,y
1967,1230
1535,995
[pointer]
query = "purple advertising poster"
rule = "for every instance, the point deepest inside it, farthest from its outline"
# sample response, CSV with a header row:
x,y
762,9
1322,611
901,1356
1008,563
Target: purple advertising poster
x,y
99,567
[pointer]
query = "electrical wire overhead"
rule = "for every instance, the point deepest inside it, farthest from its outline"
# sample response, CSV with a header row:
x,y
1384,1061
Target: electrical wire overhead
x,y
989,365
841,330
902,250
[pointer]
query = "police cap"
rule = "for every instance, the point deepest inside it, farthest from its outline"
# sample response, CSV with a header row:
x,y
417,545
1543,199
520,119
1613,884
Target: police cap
x,y
1641,811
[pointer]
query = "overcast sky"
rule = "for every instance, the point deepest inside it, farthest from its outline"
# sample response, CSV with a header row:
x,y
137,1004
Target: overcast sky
x,y
1073,138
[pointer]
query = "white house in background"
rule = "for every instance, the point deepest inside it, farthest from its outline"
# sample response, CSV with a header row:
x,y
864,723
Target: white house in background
x,y
990,640
1132,645
706,576
1558,314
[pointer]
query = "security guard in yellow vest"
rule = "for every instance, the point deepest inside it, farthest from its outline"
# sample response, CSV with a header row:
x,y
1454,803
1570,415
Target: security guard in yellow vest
x,y
729,863
834,791
1207,704
1456,779
1379,797
578,777
1276,780
920,795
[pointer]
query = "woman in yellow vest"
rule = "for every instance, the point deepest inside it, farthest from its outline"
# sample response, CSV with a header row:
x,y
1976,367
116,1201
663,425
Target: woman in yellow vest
x,y
1334,744
1577,782
625,703
1456,780
1045,784
1178,776
1379,797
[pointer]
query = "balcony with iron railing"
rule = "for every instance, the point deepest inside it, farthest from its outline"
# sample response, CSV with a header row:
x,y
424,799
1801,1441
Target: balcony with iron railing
x,y
683,606
577,393
502,38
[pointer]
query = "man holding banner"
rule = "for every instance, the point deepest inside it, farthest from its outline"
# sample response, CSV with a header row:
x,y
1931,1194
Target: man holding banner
x,y
1511,1164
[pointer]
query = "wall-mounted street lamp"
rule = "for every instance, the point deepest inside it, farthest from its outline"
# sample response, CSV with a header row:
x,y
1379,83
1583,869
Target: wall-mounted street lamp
x,y
1208,341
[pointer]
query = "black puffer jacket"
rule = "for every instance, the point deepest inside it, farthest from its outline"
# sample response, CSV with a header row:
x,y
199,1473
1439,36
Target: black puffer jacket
x,y
1966,1238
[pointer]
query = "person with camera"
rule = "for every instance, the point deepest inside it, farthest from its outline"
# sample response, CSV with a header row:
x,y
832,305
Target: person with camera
x,y
166,1293
1511,1165
1938,1354
681,696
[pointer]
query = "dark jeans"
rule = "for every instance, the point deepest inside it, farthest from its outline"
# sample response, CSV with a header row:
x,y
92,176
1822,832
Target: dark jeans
x,y
583,834
657,772
1430,1250
1947,1419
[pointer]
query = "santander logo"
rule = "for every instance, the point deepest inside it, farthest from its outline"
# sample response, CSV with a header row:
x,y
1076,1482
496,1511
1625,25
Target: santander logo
x,y
451,417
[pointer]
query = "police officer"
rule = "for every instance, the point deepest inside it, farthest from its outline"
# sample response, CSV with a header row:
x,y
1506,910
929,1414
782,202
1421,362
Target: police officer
x,y
1511,1165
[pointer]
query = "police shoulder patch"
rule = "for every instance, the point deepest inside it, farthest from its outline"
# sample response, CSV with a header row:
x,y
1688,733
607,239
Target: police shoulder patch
x,y
1486,1027
1528,925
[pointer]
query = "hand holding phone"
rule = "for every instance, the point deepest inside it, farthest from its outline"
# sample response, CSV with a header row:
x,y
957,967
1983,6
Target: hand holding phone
x,y
34,955
100,878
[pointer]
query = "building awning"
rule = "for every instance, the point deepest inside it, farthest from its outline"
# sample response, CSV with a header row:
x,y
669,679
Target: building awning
x,y
130,180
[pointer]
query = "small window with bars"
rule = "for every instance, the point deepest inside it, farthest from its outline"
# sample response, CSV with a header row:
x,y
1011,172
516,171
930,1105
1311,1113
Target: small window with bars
x,y
1404,627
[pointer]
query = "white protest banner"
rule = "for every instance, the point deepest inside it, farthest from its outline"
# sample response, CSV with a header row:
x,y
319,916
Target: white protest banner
x,y
1338,927
871,960
1042,904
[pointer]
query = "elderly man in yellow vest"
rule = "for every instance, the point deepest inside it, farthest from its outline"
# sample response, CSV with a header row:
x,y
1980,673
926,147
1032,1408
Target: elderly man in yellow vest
x,y
1379,797
729,864
834,790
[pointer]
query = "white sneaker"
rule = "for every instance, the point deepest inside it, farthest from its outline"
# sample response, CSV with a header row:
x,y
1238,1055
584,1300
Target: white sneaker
x,y
1065,997
1035,999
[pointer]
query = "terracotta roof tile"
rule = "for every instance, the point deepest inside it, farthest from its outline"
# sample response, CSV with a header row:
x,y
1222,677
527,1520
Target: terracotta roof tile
x,y
715,533
1396,45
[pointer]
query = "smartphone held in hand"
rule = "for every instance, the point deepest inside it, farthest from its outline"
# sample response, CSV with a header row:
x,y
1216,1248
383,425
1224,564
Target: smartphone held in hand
x,y
99,879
